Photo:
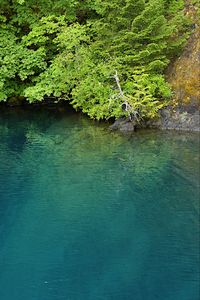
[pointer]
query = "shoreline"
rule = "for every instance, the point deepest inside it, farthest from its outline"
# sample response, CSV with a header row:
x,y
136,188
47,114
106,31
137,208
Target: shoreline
x,y
182,118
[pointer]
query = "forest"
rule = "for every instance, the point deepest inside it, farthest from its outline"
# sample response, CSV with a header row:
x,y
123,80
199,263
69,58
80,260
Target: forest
x,y
98,55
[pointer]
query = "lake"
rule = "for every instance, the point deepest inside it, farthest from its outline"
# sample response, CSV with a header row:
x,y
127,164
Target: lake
x,y
86,214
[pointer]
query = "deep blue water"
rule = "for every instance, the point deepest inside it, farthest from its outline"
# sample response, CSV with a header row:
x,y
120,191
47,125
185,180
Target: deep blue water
x,y
86,214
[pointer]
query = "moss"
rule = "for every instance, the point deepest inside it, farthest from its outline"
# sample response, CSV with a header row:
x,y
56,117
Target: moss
x,y
184,74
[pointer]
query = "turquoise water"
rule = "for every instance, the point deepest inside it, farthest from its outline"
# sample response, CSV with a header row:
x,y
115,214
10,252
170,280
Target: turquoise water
x,y
90,215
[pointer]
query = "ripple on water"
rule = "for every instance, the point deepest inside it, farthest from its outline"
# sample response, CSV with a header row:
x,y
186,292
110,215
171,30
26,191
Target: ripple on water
x,y
87,214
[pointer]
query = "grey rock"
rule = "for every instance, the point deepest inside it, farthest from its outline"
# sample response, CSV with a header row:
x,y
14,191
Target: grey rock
x,y
181,119
186,119
123,125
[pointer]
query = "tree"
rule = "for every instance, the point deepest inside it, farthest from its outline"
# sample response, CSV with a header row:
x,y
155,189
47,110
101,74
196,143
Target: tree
x,y
72,49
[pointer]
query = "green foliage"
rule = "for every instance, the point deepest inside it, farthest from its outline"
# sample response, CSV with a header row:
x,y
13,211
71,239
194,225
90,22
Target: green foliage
x,y
145,92
17,64
71,50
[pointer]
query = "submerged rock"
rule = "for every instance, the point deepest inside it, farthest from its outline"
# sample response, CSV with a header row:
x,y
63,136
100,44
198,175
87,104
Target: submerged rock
x,y
123,125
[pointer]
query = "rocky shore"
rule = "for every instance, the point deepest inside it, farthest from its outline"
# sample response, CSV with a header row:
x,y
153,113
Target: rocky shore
x,y
182,118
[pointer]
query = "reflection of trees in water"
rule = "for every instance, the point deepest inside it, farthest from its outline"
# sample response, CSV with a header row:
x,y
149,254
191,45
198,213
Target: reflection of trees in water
x,y
14,125
84,145
75,147
90,150
16,164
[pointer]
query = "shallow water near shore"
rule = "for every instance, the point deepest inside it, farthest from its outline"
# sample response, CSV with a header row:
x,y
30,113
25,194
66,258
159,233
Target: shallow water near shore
x,y
86,214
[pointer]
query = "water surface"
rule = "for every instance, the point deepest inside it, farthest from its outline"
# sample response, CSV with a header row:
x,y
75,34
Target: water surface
x,y
90,215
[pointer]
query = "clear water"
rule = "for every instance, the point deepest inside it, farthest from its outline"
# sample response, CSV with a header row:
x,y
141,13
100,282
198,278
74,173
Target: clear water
x,y
90,215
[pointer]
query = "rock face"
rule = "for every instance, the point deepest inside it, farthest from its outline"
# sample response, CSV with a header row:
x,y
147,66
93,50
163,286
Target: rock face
x,y
184,77
123,125
183,73
183,118
180,120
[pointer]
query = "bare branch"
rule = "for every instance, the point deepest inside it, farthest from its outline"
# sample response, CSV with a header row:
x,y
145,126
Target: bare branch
x,y
125,105
119,86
